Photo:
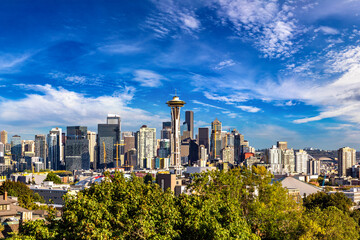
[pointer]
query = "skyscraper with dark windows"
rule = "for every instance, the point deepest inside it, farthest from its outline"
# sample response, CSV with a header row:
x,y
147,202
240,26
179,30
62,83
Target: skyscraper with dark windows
x,y
109,135
55,149
40,147
166,130
203,136
16,147
77,152
189,124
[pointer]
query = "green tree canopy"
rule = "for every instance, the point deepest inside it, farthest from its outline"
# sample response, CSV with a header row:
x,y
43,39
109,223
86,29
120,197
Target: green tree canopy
x,y
53,177
26,196
323,200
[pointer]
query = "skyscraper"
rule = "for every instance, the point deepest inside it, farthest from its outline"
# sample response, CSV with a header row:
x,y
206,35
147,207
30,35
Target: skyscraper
x,y
77,155
176,104
55,149
109,134
282,145
288,159
16,147
4,137
166,130
145,146
40,147
238,142
346,159
215,144
203,136
189,122
91,136
274,158
301,161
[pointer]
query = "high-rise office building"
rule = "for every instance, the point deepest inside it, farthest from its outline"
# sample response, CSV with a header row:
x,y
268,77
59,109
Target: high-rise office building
x,y
4,137
203,136
28,148
282,145
314,167
145,146
77,154
189,123
16,147
165,148
288,159
55,149
274,158
346,159
91,136
2,150
175,104
40,147
193,152
216,143
109,135
227,154
238,142
301,161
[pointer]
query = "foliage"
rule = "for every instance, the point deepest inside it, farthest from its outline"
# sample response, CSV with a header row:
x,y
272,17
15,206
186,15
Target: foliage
x,y
238,204
26,196
323,200
148,178
53,177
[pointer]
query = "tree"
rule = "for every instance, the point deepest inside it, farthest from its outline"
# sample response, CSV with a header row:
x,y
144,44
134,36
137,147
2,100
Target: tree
x,y
148,178
323,200
26,196
53,177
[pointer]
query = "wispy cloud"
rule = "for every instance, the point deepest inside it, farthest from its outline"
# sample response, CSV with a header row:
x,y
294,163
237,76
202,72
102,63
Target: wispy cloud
x,y
8,62
327,30
207,105
120,48
224,64
250,109
76,79
148,78
230,99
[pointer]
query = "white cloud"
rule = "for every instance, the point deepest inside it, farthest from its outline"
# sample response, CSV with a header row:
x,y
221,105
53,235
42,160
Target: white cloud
x,y
207,105
327,30
231,99
271,25
148,78
120,48
190,21
9,62
50,106
224,64
76,79
250,109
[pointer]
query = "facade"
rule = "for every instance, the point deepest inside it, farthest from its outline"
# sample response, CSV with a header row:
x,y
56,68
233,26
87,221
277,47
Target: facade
x,y
203,136
227,154
273,157
108,137
238,142
28,148
77,149
175,104
288,159
40,147
55,149
189,122
346,159
282,145
314,167
145,146
16,147
215,140
4,137
301,161
165,148
91,136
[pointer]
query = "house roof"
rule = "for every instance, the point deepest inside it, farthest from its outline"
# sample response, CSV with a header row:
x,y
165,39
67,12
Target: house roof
x,y
303,187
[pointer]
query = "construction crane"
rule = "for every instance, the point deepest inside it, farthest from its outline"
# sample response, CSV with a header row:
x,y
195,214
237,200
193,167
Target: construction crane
x,y
117,152
104,154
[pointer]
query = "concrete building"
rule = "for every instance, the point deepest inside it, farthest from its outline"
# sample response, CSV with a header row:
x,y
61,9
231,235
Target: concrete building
x,y
346,159
91,136
282,145
274,158
4,137
145,145
227,154
301,161
41,147
288,159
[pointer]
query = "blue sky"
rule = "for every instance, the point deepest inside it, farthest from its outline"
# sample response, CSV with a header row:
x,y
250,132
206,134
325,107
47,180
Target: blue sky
x,y
274,70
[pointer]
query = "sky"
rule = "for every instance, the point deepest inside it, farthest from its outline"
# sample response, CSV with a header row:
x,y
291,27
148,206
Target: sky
x,y
274,70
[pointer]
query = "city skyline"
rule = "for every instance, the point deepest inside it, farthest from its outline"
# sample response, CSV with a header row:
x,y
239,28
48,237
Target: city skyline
x,y
275,71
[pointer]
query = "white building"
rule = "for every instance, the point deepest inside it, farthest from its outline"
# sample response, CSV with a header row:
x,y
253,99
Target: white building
x,y
288,158
146,145
274,158
301,161
55,148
